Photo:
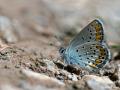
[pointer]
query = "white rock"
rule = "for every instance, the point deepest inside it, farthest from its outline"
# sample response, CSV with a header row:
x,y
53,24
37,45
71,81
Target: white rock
x,y
98,83
50,65
72,77
42,77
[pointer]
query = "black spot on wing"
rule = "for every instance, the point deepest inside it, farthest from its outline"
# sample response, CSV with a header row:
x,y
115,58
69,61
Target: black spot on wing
x,y
77,50
80,55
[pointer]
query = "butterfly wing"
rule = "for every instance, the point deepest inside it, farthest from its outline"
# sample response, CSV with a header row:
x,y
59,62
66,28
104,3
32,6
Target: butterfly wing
x,y
91,55
92,32
89,49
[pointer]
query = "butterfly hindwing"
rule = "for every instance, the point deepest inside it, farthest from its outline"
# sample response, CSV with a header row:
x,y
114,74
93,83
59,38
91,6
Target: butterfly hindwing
x,y
91,55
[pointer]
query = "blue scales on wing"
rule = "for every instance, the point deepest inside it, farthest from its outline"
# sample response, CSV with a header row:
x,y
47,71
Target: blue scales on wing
x,y
88,49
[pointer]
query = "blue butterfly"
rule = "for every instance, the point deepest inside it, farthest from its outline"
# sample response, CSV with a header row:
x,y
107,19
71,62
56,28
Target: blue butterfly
x,y
88,49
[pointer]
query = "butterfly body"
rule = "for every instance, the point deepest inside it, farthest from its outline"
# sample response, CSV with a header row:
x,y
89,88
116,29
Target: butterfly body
x,y
88,49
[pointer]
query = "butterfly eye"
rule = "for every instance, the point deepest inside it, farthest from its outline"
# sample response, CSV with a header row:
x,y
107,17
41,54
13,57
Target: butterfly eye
x,y
61,50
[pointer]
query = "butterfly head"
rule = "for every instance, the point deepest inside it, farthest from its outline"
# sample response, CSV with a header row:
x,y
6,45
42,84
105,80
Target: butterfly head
x,y
62,51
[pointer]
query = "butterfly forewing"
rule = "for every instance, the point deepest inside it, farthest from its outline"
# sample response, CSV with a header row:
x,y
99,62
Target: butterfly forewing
x,y
92,32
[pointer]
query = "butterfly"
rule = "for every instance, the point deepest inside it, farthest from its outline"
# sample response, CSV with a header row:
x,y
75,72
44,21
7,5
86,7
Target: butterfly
x,y
88,49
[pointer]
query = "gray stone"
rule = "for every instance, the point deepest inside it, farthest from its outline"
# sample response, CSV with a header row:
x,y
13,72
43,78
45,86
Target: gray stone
x,y
7,30
99,83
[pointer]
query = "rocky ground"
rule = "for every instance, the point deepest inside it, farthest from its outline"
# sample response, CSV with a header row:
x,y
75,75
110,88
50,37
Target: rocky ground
x,y
30,38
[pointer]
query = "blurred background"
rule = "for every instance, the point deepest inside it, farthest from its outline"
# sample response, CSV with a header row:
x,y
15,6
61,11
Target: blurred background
x,y
25,18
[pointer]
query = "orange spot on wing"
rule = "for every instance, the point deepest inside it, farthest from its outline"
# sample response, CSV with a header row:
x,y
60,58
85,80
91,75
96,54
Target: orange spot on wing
x,y
103,53
98,37
97,34
98,61
98,27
